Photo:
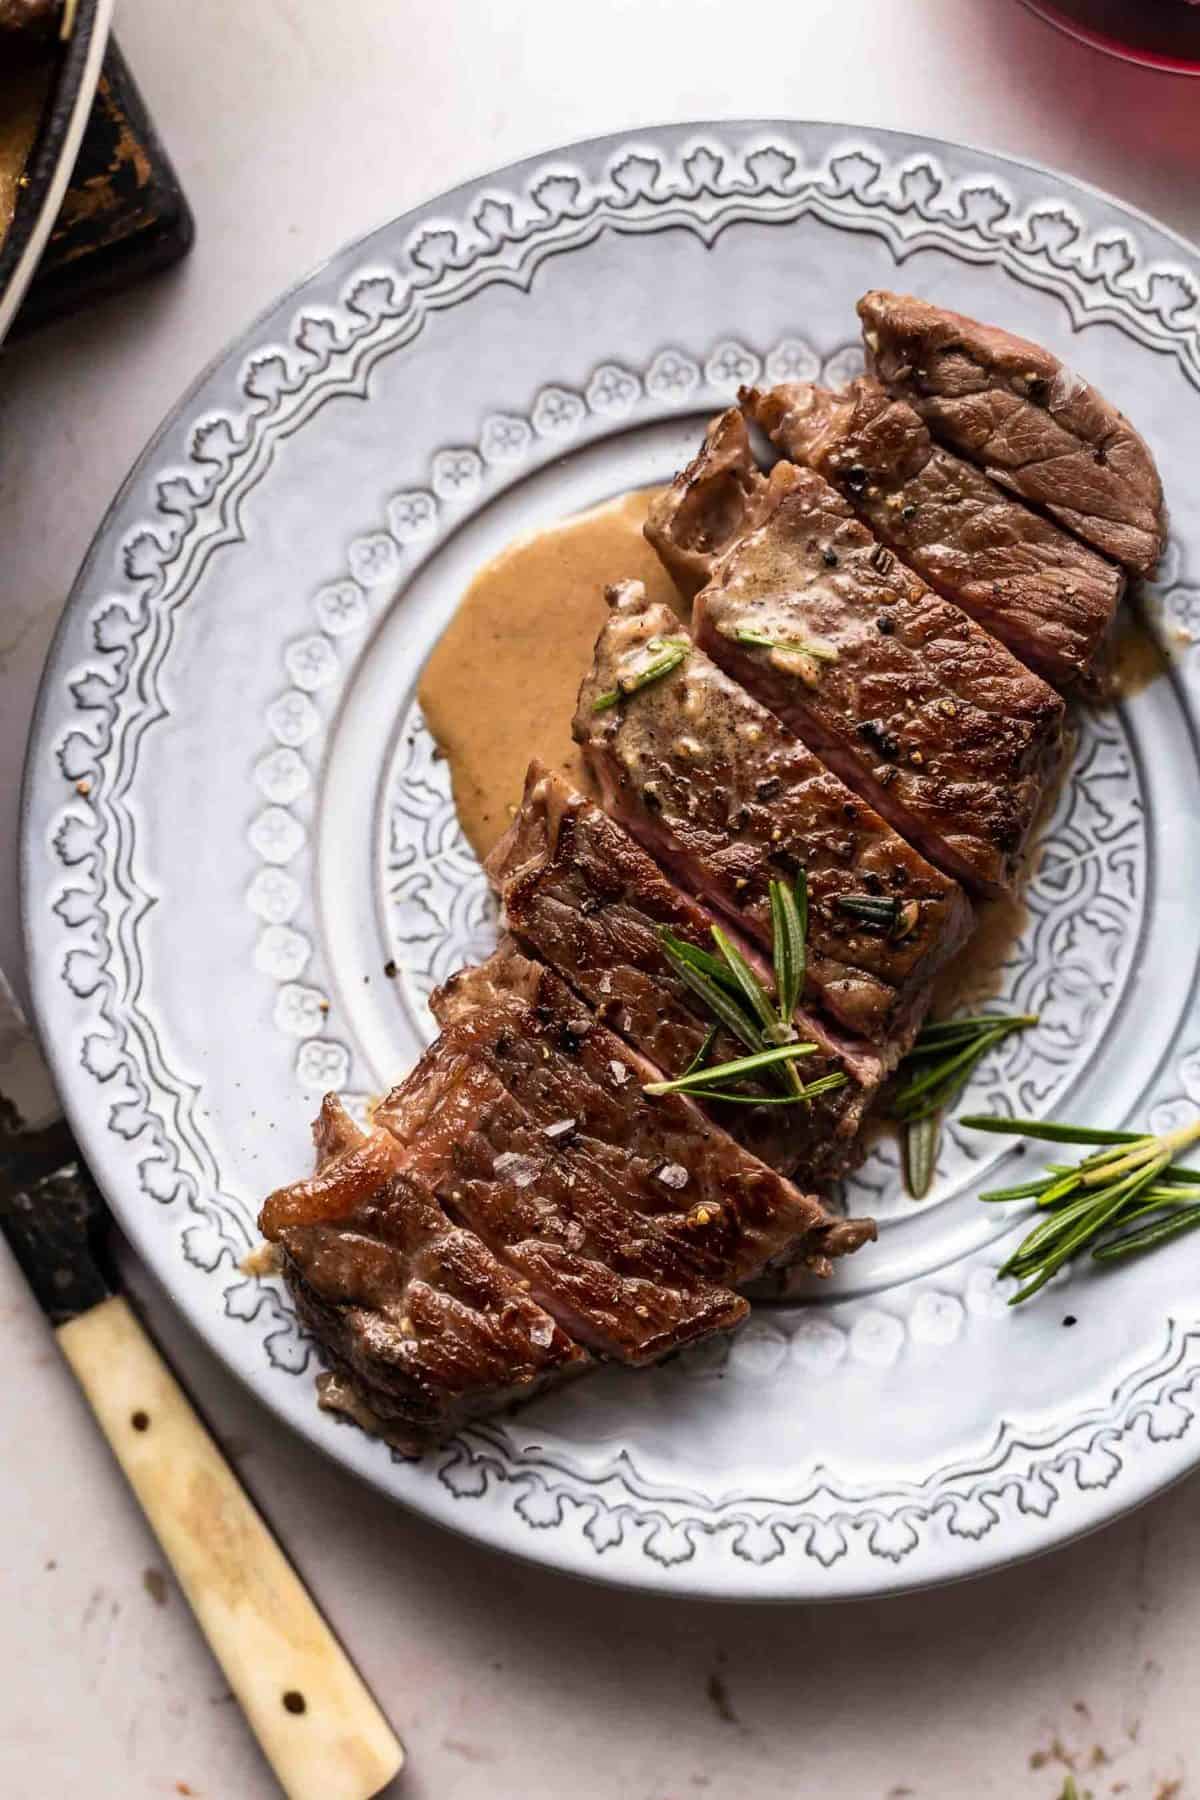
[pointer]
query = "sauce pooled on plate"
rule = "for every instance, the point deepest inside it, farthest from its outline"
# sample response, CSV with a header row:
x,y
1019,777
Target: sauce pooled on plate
x,y
500,686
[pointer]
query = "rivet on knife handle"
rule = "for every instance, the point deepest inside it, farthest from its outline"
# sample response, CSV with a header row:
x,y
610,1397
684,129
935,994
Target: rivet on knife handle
x,y
322,1732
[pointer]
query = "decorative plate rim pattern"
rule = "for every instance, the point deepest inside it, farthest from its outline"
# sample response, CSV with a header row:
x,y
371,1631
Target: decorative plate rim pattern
x,y
701,178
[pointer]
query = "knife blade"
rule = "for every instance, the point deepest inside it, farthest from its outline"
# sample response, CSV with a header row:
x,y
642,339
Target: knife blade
x,y
316,1721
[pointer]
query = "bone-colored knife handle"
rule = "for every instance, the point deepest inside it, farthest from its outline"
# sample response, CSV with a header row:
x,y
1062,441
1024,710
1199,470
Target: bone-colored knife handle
x,y
319,1727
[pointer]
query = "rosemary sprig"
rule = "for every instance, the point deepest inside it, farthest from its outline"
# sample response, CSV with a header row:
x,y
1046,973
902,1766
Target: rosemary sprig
x,y
1129,1180
737,998
715,968
712,989
933,1073
824,1084
666,654
801,646
750,989
772,1029
939,1065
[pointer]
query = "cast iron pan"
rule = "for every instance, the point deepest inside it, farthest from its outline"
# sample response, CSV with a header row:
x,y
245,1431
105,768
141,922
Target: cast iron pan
x,y
53,155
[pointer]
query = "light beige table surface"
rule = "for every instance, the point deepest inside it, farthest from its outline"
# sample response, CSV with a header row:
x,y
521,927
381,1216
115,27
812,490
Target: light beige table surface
x,y
297,124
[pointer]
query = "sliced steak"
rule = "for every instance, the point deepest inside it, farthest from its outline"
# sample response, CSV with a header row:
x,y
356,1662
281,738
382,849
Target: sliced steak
x,y
709,505
422,1326
581,894
718,789
610,1277
656,1157
1034,425
1045,595
916,707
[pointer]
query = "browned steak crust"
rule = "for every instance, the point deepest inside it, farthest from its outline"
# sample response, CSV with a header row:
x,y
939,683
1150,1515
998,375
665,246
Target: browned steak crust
x,y
603,1269
915,706
426,1324
717,788
657,1157
1048,597
1033,424
581,894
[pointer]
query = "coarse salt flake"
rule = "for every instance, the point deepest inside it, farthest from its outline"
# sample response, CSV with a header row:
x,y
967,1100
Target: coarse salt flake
x,y
512,1166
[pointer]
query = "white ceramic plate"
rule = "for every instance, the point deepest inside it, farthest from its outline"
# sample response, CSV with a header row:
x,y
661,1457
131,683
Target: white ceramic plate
x,y
234,818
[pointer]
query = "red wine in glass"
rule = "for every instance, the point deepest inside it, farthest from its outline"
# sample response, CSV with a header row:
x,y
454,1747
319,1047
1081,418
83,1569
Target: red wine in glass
x,y
1162,34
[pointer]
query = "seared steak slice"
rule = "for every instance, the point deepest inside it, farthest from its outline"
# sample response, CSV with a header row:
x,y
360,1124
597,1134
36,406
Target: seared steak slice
x,y
610,1277
717,788
1039,590
422,1325
1032,423
582,895
709,505
656,1157
915,706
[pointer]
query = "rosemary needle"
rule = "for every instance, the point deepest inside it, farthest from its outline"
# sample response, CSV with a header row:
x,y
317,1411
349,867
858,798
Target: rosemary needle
x,y
730,1071
1049,1130
666,654
789,926
932,1075
723,1005
872,909
701,1057
921,1141
703,961
1149,1236
824,1084
883,911
813,647
749,986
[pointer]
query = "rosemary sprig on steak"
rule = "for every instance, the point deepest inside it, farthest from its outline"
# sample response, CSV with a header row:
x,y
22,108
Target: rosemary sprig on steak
x,y
808,1091
701,1057
666,653
708,978
701,1080
735,995
1131,1181
933,1074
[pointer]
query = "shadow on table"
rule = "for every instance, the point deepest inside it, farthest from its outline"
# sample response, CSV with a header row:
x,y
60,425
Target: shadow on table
x,y
491,1668
1054,1658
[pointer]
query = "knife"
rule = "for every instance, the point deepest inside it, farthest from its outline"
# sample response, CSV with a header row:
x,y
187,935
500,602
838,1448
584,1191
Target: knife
x,y
315,1720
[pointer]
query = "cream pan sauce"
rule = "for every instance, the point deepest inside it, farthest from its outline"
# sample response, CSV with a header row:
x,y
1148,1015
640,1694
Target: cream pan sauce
x,y
500,686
